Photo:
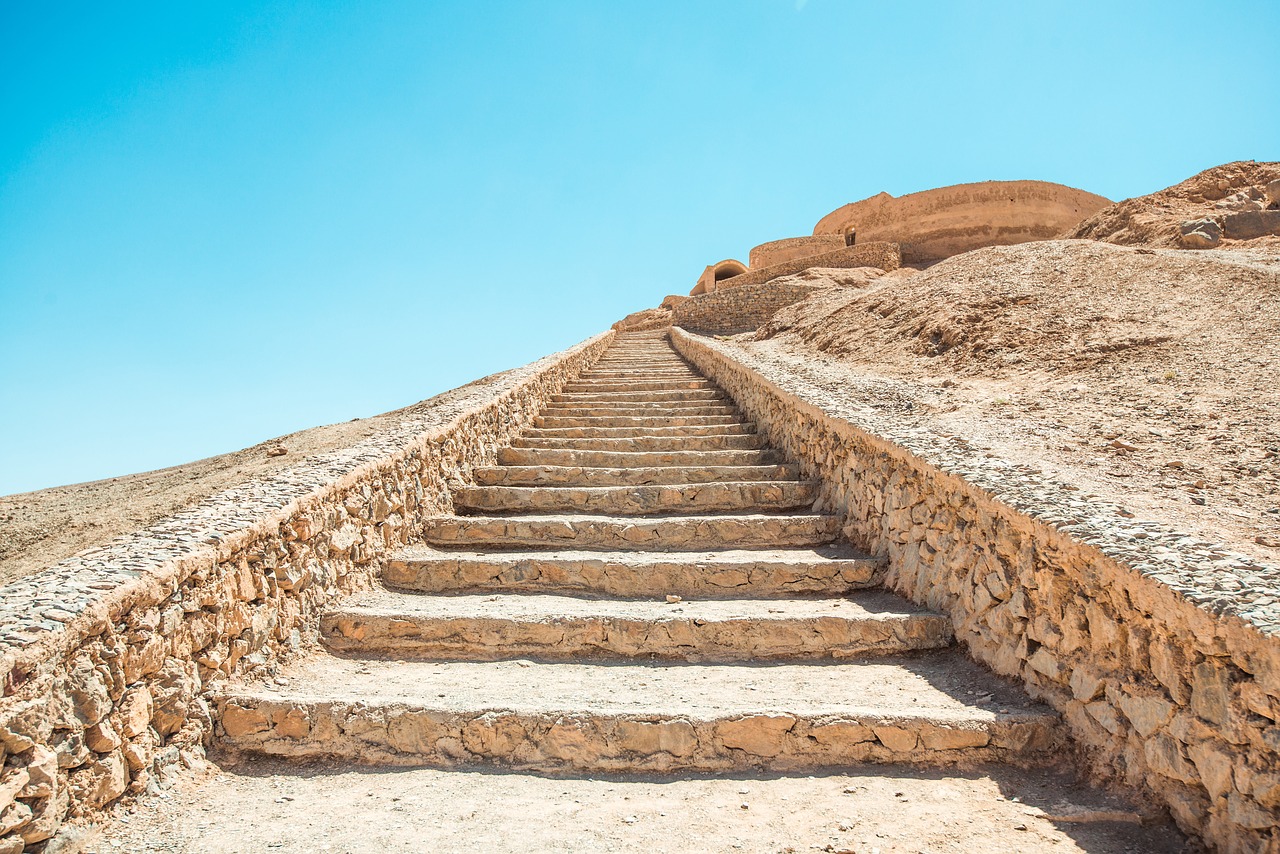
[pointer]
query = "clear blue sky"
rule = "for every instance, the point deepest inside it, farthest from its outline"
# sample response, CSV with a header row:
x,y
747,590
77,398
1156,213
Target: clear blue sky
x,y
221,222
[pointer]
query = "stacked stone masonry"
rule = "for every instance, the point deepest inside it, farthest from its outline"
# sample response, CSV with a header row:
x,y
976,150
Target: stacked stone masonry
x,y
738,309
108,658
1161,652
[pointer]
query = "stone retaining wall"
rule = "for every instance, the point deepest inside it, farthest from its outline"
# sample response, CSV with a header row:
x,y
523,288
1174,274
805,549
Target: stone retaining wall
x,y
886,256
107,657
1162,652
793,248
730,310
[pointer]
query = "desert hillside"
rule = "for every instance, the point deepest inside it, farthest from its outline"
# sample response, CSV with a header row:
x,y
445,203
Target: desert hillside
x,y
38,529
1149,376
1158,219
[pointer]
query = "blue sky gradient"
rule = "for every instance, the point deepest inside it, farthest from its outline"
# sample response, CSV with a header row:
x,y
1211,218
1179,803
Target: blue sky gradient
x,y
221,222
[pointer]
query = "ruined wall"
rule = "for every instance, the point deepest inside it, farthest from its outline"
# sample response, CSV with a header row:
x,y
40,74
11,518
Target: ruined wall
x,y
883,255
106,657
793,248
1162,652
937,224
731,310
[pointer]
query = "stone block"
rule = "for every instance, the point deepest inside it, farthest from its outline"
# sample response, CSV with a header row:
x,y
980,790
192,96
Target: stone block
x,y
759,735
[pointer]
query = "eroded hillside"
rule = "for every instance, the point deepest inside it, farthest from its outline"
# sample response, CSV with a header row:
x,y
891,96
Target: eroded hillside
x,y
1149,376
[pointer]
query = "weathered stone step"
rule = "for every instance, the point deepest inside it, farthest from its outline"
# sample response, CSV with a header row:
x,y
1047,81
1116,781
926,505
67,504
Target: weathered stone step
x,y
638,363
748,497
830,570
612,385
559,628
663,533
654,430
627,459
586,476
675,395
641,421
602,718
722,442
630,373
636,410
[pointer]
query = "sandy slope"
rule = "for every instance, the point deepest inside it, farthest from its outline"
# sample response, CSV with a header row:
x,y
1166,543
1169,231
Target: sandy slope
x,y
1152,377
40,528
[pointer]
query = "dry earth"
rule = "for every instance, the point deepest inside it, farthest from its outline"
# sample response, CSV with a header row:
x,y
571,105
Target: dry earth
x,y
1154,220
1151,377
38,529
264,806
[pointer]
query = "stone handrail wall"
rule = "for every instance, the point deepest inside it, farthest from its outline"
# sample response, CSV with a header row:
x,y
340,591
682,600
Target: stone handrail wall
x,y
106,657
1162,652
741,309
886,256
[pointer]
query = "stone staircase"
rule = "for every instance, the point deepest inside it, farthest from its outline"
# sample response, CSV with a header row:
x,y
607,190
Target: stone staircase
x,y
641,585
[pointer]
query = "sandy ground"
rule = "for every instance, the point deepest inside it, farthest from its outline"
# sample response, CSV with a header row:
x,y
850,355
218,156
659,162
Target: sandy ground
x,y
1148,377
265,806
38,529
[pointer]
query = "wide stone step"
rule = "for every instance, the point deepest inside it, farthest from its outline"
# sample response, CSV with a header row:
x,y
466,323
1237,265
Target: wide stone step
x,y
830,570
749,497
559,628
655,430
697,395
638,410
631,373
627,459
749,442
612,385
584,476
934,708
641,421
664,534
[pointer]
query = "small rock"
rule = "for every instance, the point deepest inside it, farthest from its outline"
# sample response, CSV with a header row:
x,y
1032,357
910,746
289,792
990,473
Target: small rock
x,y
277,451
672,600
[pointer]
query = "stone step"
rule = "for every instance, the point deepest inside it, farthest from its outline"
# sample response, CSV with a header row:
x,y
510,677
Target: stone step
x,y
831,570
631,373
630,459
613,385
663,533
585,476
558,628
637,410
931,708
698,395
655,430
631,363
741,497
721,442
641,421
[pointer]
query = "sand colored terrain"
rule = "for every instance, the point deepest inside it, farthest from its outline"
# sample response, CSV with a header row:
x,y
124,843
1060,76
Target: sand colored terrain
x,y
1149,376
326,807
1154,219
38,529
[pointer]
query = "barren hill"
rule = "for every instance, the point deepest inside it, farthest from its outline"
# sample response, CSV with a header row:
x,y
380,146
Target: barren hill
x,y
1155,219
1151,376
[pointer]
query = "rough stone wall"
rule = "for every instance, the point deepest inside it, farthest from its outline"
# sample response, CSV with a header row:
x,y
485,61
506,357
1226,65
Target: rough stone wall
x,y
1162,652
731,310
107,657
793,248
883,255
937,224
